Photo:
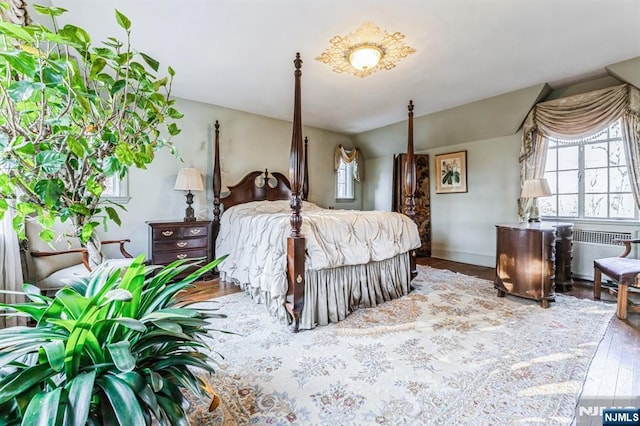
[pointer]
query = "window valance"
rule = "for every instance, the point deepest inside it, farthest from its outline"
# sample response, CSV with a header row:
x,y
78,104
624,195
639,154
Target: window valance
x,y
577,118
348,156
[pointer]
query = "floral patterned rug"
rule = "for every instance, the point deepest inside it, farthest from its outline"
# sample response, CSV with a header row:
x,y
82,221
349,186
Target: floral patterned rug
x,y
450,352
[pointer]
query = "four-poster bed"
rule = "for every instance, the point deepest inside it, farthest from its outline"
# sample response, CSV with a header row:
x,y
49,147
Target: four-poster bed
x,y
333,262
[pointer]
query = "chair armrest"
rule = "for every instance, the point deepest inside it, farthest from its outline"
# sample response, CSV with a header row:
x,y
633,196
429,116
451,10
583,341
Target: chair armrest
x,y
627,245
82,250
124,252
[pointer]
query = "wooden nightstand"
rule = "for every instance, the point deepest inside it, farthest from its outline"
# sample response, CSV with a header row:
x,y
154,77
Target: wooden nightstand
x,y
174,240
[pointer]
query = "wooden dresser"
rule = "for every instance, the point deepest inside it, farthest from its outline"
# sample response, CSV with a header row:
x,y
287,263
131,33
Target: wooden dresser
x,y
531,258
174,240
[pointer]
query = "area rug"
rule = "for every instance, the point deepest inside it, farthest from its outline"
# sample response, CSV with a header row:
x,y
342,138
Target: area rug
x,y
450,352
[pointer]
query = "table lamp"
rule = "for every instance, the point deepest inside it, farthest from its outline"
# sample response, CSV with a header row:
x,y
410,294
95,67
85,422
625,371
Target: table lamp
x,y
189,179
534,189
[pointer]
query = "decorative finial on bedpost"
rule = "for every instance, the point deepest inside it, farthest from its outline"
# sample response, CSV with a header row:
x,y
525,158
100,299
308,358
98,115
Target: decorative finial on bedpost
x,y
410,170
298,63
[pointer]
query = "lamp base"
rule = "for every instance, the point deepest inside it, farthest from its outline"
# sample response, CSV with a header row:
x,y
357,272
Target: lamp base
x,y
534,212
188,213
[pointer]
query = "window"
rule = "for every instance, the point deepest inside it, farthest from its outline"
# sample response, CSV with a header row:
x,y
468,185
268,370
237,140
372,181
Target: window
x,y
589,178
344,181
116,189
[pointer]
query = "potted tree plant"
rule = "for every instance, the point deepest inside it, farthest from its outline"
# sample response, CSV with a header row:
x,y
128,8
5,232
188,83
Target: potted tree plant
x,y
72,115
109,349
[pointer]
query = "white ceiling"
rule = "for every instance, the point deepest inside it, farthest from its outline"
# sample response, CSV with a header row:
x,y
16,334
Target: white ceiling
x,y
238,53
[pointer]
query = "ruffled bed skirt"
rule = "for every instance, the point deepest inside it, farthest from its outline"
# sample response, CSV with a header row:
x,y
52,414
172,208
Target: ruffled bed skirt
x,y
332,294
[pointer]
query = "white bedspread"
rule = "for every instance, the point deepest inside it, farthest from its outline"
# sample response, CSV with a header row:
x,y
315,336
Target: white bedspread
x,y
255,236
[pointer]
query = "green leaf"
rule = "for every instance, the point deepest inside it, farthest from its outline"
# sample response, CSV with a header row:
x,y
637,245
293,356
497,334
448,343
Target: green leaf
x,y
113,215
150,61
131,323
122,399
52,77
173,129
122,20
118,294
124,154
49,191
20,61
121,356
14,385
22,90
50,161
43,409
87,231
117,86
75,146
171,71
47,235
15,31
55,354
175,114
97,66
94,187
47,10
75,304
173,411
80,394
80,209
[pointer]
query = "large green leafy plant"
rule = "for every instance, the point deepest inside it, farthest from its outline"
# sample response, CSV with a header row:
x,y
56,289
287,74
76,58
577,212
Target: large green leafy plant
x,y
109,349
72,115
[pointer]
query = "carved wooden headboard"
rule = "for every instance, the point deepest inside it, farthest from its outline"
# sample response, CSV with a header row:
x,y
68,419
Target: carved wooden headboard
x,y
258,186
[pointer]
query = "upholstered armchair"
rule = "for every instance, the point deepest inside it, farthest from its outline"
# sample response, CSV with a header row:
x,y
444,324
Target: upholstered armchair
x,y
625,271
51,265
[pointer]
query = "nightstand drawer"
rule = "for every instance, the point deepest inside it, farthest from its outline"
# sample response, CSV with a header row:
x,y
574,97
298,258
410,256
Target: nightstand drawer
x,y
183,244
177,232
168,257
174,240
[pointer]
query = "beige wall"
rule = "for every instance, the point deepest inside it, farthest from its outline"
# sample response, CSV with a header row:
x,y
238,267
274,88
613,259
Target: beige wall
x,y
247,142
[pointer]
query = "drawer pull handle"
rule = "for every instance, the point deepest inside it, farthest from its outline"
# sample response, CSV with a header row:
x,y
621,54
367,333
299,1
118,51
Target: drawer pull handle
x,y
195,231
181,256
167,233
181,244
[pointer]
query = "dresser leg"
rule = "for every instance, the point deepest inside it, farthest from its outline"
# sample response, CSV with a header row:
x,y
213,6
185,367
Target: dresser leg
x,y
544,303
501,293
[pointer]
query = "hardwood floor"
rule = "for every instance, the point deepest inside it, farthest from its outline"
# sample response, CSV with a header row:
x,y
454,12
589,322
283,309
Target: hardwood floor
x,y
614,373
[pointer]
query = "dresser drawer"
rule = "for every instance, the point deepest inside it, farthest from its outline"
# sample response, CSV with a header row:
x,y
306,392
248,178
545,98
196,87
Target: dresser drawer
x,y
180,244
164,258
177,232
175,240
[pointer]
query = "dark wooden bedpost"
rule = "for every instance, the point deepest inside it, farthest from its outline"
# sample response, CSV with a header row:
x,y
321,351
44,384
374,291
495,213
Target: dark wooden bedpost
x,y
410,183
217,180
296,242
305,181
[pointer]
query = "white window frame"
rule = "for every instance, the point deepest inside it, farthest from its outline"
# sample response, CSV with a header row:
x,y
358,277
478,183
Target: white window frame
x,y
121,190
345,191
581,185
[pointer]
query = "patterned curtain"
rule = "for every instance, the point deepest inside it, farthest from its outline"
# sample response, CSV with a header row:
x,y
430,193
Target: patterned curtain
x,y
348,157
578,117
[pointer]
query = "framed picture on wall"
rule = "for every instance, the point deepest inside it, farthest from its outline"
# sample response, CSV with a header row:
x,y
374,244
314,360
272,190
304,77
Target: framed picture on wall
x,y
451,172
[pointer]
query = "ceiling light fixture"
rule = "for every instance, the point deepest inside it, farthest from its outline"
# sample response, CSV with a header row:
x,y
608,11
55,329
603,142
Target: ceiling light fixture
x,y
365,57
365,51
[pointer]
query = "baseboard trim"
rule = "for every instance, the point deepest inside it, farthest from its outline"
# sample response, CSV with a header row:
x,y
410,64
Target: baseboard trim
x,y
464,257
